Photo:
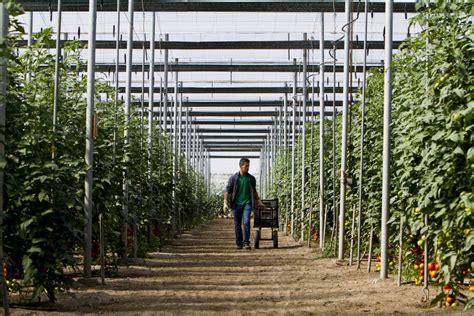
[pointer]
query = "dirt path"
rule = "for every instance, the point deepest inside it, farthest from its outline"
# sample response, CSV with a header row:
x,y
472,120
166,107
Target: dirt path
x,y
203,273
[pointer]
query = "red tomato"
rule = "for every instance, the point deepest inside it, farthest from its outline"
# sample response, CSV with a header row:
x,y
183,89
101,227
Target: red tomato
x,y
432,266
446,288
450,299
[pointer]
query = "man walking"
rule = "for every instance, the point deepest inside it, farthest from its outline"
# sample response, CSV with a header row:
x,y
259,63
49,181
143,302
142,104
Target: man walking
x,y
241,194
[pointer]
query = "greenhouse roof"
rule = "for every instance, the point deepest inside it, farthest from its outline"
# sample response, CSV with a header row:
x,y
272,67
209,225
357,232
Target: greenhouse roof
x,y
234,59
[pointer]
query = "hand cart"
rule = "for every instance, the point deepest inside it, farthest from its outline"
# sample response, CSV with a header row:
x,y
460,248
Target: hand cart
x,y
266,217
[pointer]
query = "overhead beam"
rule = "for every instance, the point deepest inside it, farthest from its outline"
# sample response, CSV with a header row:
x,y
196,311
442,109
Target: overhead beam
x,y
232,90
218,6
233,145
233,130
231,150
240,104
182,67
236,122
226,45
233,142
229,122
233,156
244,114
233,137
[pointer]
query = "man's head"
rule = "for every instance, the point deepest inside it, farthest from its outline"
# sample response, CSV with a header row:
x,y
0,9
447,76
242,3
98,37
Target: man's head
x,y
244,165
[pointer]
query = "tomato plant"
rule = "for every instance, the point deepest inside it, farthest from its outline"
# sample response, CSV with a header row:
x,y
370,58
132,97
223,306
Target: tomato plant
x,y
44,192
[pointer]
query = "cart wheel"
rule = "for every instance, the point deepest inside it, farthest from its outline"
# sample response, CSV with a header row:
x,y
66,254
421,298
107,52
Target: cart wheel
x,y
275,238
256,244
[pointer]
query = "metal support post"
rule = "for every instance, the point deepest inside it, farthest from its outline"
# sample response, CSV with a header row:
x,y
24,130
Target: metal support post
x,y
165,88
187,138
175,145
30,40
345,110
116,79
387,118
150,108
180,120
293,147
4,21
128,100
285,146
303,139
362,139
321,136
88,202
269,161
56,71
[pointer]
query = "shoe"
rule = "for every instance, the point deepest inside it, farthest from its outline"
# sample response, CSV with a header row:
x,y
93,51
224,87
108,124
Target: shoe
x,y
239,247
247,245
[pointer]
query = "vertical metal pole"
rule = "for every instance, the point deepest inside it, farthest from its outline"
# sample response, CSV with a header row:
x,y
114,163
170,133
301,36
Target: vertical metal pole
x,y
202,152
285,146
362,139
400,252
178,156
165,88
263,169
101,249
270,158
142,128
209,175
266,167
345,110
175,111
160,120
311,154
371,238
3,98
30,40
260,177
88,203
387,119
128,99
175,147
180,120
142,100
56,71
295,81
321,136
117,75
351,252
279,127
150,107
334,117
303,143
196,161
273,151
191,145
188,157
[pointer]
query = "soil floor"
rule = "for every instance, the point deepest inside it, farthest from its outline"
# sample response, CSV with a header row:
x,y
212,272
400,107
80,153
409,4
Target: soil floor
x,y
202,273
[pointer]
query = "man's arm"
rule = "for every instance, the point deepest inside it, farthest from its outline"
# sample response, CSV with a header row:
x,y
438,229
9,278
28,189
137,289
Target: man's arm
x,y
228,190
226,196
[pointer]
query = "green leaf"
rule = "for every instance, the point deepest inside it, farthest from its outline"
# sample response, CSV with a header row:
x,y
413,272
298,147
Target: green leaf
x,y
25,224
26,262
452,261
470,155
43,196
34,249
48,211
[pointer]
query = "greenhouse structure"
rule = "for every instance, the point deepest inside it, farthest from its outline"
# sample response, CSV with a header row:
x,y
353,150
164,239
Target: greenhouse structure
x,y
123,121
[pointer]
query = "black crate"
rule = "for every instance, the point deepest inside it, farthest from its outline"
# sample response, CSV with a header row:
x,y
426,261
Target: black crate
x,y
268,216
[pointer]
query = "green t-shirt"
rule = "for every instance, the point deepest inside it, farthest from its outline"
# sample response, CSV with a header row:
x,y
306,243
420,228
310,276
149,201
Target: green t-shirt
x,y
242,196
